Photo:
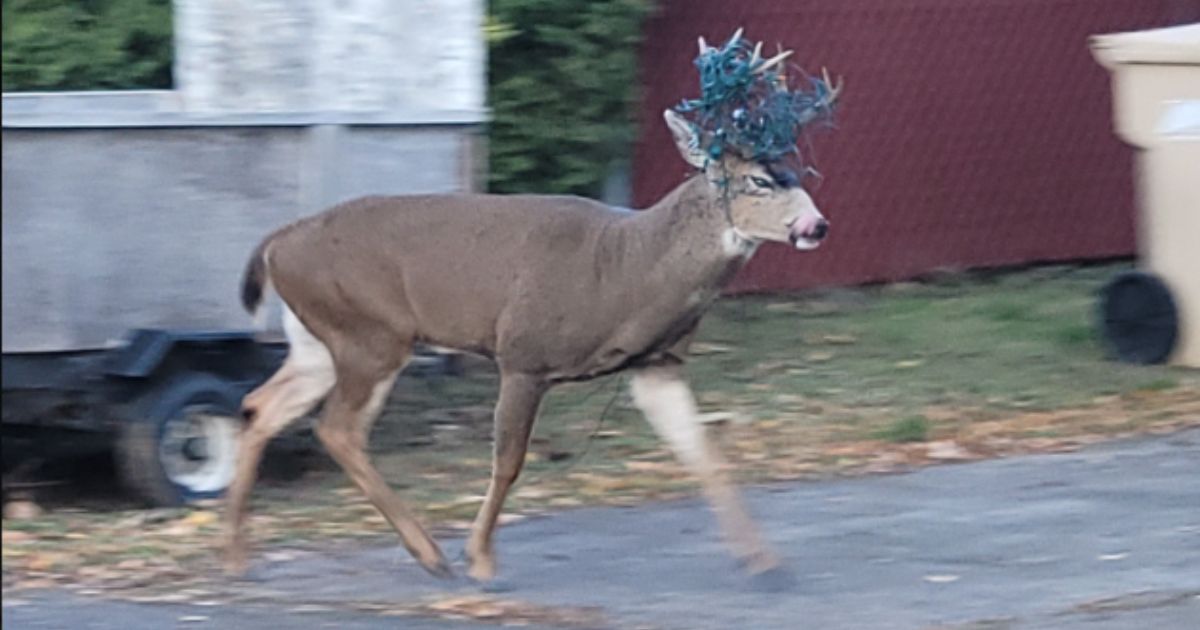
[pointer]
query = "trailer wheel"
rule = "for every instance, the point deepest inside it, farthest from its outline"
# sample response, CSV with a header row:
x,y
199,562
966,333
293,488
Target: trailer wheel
x,y
182,445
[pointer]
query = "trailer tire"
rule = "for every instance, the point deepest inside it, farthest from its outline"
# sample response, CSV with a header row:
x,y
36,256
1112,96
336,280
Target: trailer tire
x,y
181,444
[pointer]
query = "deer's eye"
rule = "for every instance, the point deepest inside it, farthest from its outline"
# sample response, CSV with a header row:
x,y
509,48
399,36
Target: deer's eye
x,y
760,182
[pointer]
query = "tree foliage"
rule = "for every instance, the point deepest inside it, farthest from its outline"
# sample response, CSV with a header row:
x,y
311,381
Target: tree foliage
x,y
561,76
86,44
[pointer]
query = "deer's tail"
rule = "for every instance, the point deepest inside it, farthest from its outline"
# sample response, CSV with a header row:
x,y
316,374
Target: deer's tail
x,y
254,279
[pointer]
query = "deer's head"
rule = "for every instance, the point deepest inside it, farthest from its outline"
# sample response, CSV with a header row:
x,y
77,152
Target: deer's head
x,y
765,200
746,125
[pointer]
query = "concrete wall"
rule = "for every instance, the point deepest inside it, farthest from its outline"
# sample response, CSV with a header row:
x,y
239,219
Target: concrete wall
x,y
330,55
139,209
110,229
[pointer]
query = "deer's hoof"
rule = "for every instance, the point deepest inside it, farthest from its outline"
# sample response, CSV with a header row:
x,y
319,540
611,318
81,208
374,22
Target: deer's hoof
x,y
254,575
494,586
239,571
234,564
777,579
439,569
482,567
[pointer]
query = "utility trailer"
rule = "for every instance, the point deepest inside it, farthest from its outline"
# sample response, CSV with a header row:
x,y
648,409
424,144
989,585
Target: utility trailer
x,y
126,227
163,402
129,216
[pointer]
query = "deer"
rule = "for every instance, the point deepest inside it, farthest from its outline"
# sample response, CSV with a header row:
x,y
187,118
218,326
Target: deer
x,y
551,288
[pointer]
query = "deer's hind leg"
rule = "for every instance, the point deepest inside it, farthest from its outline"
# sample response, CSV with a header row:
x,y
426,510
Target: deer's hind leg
x,y
301,382
364,381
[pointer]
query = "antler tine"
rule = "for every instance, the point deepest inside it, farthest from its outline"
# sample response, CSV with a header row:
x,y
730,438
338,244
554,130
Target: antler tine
x,y
704,47
755,57
737,35
773,60
810,114
834,90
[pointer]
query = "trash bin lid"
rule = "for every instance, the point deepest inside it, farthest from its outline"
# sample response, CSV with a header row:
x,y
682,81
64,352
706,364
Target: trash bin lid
x,y
1171,45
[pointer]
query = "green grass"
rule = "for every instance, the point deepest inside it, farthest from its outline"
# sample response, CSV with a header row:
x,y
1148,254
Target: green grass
x,y
1159,385
910,429
1021,340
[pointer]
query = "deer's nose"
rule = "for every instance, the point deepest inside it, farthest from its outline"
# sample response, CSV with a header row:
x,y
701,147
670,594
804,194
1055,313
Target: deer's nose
x,y
818,230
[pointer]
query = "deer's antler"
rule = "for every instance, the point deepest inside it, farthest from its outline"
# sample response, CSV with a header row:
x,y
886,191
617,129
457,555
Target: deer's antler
x,y
736,36
826,101
768,64
834,89
756,56
745,102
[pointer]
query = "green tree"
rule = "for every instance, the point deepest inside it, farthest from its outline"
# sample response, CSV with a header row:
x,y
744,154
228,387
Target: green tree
x,y
561,76
86,44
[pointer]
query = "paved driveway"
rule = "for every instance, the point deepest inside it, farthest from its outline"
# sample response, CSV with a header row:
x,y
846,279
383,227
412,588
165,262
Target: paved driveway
x,y
1105,538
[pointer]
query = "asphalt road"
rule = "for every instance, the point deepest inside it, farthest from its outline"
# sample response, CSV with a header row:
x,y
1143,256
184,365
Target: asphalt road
x,y
1102,539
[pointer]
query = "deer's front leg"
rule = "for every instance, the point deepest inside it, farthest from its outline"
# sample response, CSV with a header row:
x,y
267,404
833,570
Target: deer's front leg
x,y
668,404
520,397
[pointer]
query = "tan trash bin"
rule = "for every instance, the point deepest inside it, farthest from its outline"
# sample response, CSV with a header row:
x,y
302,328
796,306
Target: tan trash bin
x,y
1156,101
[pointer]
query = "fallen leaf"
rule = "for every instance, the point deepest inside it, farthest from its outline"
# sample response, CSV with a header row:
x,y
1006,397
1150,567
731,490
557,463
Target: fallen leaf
x,y
279,556
947,450
911,363
818,357
468,499
457,603
179,529
201,518
941,578
643,466
21,510
310,608
10,537
709,348
508,518
532,492
840,340
43,561
716,417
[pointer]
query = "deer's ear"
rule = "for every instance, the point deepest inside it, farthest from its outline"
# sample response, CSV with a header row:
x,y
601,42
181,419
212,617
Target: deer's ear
x,y
686,139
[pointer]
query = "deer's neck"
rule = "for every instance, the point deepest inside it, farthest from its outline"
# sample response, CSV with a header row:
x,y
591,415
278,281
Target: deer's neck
x,y
688,236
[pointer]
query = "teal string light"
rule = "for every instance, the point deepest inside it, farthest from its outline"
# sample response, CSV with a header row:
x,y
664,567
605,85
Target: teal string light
x,y
745,104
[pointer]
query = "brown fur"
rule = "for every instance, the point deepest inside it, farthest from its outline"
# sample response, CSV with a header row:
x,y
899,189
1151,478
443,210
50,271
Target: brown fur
x,y
579,290
552,288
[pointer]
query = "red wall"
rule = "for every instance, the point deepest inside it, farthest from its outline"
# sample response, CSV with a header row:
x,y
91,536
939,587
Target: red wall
x,y
972,132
